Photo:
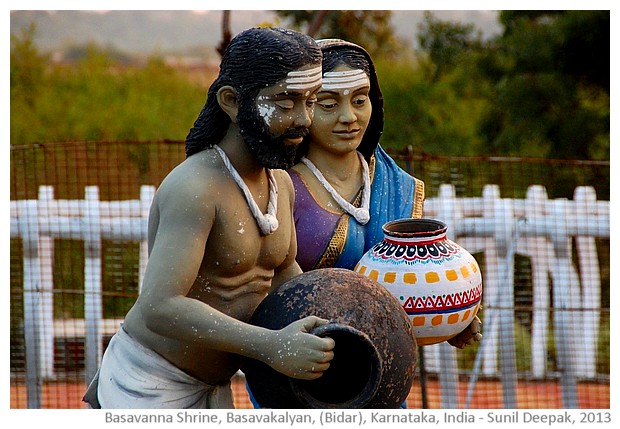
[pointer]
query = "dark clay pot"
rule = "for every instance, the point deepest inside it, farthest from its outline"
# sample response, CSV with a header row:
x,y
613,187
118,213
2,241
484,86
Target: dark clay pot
x,y
375,353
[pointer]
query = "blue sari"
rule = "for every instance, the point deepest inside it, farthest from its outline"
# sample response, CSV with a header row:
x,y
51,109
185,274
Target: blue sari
x,y
326,239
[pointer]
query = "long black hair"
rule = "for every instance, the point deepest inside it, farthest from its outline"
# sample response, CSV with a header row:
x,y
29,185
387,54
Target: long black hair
x,y
254,59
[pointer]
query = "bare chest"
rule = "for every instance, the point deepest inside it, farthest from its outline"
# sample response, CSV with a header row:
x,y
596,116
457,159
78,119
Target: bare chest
x,y
239,264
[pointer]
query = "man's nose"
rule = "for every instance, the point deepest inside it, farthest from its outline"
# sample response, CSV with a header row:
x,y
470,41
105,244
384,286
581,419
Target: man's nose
x,y
303,119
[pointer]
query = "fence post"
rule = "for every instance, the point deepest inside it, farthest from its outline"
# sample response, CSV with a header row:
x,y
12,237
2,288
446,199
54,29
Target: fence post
x,y
505,242
487,352
541,253
590,285
93,313
46,258
561,275
448,212
491,284
29,230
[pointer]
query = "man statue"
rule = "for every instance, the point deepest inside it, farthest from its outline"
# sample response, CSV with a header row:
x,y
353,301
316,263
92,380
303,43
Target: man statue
x,y
221,236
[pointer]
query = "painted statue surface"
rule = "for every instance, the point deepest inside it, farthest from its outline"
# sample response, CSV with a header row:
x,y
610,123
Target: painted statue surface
x,y
347,187
343,145
221,236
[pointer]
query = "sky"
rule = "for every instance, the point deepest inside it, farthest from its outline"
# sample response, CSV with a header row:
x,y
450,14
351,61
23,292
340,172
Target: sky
x,y
175,30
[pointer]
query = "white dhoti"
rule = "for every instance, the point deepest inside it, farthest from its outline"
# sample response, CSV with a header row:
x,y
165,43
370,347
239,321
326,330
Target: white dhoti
x,y
134,376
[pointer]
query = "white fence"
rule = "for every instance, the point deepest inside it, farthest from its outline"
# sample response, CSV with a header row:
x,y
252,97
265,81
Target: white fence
x,y
536,226
544,230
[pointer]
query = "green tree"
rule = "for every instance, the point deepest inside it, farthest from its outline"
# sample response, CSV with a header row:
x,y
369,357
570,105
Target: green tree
x,y
434,100
27,80
446,43
98,97
550,71
27,66
371,29
438,118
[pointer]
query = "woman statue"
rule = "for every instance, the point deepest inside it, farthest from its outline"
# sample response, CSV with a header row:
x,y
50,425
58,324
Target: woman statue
x,y
346,186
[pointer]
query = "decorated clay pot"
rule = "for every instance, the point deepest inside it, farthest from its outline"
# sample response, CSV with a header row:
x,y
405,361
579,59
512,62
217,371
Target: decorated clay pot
x,y
437,282
375,353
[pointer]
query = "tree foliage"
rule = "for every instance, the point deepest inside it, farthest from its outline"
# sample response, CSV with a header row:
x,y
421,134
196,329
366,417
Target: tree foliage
x,y
550,74
542,86
98,97
368,28
435,118
540,89
447,44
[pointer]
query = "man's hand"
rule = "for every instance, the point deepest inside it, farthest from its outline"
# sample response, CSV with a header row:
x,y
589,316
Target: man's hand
x,y
471,335
298,354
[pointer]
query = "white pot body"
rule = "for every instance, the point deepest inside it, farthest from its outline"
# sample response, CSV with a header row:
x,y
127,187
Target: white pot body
x,y
437,282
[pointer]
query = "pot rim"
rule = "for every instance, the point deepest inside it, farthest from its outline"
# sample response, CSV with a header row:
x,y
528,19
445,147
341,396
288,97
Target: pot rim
x,y
370,389
414,228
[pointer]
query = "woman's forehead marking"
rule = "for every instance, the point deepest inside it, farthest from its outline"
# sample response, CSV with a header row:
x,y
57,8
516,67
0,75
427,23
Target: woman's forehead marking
x,y
344,79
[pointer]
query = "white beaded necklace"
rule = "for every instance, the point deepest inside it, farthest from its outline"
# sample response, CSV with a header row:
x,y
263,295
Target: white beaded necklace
x,y
268,223
361,214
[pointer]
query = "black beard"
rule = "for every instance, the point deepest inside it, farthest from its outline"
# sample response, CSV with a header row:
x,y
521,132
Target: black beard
x,y
270,150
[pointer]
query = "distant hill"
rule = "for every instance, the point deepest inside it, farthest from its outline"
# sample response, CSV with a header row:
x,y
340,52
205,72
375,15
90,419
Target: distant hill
x,y
165,31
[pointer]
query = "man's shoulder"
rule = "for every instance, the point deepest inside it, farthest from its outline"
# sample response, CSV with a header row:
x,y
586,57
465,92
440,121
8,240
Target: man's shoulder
x,y
196,176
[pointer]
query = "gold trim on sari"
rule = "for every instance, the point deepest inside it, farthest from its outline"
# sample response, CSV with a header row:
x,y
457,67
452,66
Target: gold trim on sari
x,y
418,203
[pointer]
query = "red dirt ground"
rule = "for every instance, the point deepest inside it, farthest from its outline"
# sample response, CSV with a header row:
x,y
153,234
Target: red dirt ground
x,y
487,395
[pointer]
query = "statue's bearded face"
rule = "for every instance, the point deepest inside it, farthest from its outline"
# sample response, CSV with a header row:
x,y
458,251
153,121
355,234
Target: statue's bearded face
x,y
275,123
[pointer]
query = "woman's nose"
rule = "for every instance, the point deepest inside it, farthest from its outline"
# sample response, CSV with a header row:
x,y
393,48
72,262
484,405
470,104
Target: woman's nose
x,y
347,115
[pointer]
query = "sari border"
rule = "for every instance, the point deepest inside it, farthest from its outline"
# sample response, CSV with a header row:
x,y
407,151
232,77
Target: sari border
x,y
334,248
418,199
